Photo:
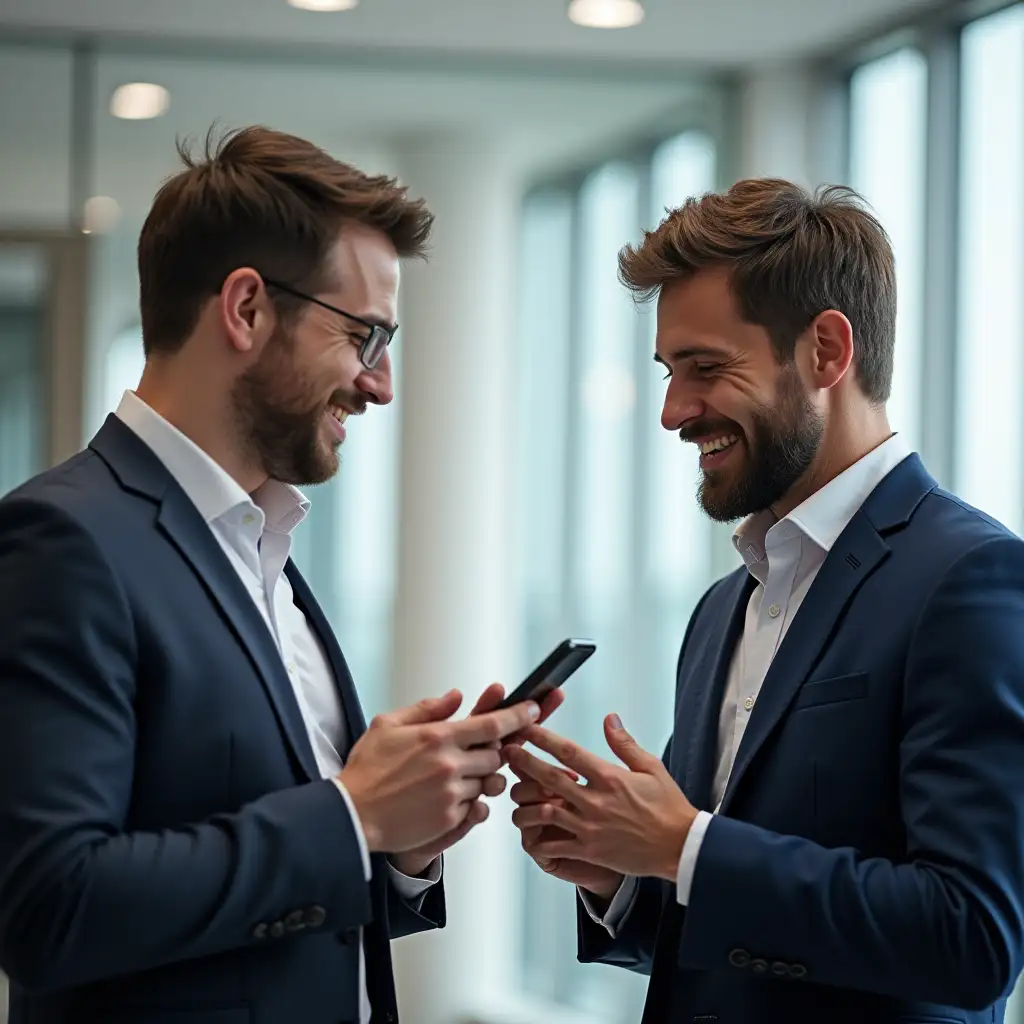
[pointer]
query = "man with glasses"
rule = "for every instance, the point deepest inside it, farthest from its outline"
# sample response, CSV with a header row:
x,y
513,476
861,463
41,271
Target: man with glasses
x,y
195,822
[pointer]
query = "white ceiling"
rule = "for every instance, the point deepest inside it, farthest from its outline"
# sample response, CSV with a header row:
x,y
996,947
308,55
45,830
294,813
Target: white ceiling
x,y
697,32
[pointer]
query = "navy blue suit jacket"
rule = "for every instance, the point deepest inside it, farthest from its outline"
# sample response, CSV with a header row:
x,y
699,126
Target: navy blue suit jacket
x,y
168,851
867,865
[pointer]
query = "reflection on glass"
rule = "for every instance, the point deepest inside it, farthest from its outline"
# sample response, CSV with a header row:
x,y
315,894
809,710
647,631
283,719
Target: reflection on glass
x,y
990,363
888,123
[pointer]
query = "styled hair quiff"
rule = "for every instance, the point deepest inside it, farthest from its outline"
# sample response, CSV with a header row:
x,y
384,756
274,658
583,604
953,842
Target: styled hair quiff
x,y
262,199
790,256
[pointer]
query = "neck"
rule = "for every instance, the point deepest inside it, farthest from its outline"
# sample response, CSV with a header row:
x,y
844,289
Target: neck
x,y
204,419
845,443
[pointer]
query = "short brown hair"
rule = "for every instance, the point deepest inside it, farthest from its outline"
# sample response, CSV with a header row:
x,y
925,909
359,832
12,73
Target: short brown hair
x,y
263,199
790,255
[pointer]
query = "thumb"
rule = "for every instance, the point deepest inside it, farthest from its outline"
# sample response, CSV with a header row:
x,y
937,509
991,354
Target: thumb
x,y
431,709
625,748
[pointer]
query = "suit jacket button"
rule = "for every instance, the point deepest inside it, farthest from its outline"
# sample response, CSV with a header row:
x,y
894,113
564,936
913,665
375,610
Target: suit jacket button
x,y
277,929
779,969
295,921
797,970
739,958
260,931
759,966
315,917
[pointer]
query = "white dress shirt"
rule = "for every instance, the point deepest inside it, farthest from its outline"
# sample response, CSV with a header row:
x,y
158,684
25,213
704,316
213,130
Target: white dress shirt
x,y
784,557
254,531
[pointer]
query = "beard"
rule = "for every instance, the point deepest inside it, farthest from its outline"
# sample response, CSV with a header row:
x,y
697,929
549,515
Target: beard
x,y
782,443
280,417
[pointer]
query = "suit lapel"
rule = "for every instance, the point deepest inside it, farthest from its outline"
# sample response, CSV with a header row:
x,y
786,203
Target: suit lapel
x,y
139,470
343,677
857,553
710,672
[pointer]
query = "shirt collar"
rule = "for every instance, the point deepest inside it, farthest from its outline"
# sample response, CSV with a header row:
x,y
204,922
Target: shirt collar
x,y
210,488
826,513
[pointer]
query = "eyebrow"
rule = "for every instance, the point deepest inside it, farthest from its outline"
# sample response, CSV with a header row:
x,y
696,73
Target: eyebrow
x,y
690,352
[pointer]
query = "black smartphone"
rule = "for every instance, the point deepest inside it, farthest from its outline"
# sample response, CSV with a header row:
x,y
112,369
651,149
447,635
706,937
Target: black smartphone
x,y
551,672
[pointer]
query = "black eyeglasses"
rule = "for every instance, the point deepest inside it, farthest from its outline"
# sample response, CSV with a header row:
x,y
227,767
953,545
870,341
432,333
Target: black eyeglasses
x,y
371,348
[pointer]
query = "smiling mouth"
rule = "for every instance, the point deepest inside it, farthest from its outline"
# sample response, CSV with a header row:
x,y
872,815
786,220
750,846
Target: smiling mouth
x,y
718,444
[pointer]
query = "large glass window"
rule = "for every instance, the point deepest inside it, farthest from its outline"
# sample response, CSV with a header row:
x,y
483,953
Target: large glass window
x,y
990,363
888,127
614,545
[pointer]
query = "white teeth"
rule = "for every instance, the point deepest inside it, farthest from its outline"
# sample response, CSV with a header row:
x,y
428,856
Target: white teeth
x,y
719,444
339,414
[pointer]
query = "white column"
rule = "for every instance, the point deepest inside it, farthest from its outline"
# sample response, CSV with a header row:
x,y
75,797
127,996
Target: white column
x,y
778,118
455,606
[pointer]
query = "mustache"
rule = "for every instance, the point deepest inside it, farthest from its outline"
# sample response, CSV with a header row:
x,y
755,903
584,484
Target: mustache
x,y
353,404
702,428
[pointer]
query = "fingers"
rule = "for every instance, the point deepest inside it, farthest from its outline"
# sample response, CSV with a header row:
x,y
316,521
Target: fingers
x,y
494,785
568,753
494,725
541,815
626,749
550,704
547,776
475,764
478,814
464,790
489,699
557,849
530,792
432,709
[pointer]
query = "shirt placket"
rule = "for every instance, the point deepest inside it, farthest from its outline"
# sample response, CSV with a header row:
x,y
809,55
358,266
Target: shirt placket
x,y
778,592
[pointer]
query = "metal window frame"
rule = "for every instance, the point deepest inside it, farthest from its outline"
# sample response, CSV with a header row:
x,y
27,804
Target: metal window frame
x,y
65,301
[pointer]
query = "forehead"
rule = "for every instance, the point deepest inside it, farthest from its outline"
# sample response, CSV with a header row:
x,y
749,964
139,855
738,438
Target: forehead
x,y
701,313
365,271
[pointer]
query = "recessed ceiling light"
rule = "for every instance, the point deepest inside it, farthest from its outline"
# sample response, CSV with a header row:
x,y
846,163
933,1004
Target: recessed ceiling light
x,y
324,5
100,215
139,101
606,13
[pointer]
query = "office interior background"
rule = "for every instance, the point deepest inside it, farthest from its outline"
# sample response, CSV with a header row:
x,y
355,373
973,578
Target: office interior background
x,y
521,488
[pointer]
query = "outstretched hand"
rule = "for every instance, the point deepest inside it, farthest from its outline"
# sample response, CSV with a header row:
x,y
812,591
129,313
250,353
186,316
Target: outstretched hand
x,y
631,821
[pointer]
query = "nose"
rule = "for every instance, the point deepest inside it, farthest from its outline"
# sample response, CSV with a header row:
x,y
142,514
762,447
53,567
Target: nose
x,y
681,406
376,384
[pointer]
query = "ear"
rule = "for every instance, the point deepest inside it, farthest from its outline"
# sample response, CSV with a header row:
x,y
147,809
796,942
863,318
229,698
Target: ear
x,y
828,349
246,313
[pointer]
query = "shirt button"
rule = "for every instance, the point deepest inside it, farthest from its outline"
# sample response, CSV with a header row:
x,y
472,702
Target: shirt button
x,y
748,703
774,610
248,518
